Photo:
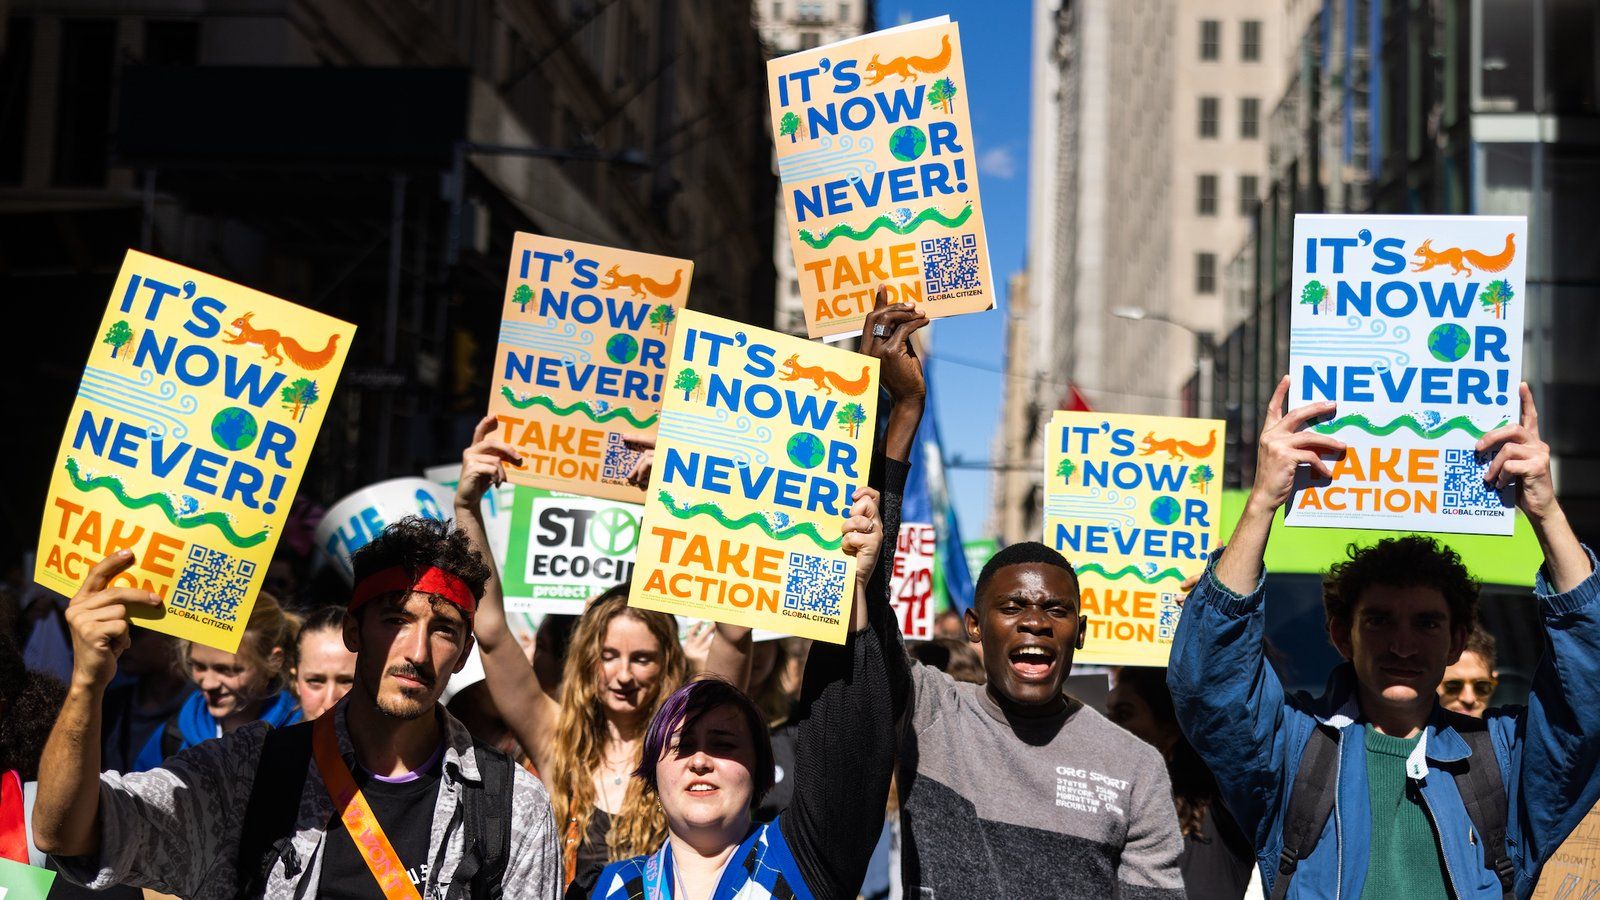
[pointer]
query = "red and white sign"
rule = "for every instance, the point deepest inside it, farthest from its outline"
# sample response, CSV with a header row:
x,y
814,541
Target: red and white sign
x,y
911,581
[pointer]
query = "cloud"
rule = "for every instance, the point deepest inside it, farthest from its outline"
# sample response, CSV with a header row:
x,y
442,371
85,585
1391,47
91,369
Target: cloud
x,y
998,162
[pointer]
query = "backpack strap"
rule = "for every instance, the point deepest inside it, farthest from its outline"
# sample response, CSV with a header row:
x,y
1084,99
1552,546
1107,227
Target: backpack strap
x,y
171,736
1484,795
1310,803
486,816
274,806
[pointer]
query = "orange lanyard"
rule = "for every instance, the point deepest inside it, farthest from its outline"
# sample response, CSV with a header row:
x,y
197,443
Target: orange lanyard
x,y
357,816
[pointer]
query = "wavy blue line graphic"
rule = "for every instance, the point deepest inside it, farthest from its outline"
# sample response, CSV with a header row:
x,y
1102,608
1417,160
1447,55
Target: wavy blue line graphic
x,y
746,439
852,158
163,408
565,344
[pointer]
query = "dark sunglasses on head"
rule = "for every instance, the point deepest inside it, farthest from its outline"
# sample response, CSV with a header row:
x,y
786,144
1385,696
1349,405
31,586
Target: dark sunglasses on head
x,y
1482,687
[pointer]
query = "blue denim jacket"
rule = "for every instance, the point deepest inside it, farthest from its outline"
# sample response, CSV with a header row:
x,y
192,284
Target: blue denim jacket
x,y
1236,713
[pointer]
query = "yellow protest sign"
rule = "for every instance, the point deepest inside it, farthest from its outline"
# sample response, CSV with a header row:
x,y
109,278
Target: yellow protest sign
x,y
196,415
1132,502
764,440
880,176
584,332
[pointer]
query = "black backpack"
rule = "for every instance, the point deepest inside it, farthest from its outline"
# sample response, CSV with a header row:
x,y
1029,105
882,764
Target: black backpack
x,y
268,828
1311,801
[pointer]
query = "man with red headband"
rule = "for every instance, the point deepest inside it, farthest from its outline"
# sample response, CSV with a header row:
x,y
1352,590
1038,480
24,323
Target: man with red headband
x,y
386,796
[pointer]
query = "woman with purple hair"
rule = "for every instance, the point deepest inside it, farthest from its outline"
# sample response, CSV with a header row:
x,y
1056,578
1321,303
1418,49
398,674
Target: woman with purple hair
x,y
708,761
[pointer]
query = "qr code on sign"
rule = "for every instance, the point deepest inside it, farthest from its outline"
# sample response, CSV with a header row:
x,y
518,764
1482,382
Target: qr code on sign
x,y
814,584
1463,481
1167,617
213,584
951,263
619,459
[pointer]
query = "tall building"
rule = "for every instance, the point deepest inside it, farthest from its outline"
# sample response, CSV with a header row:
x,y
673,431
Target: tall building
x,y
787,26
1147,155
372,160
1490,108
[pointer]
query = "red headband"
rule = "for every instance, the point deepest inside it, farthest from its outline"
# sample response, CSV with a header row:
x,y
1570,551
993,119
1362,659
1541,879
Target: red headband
x,y
429,581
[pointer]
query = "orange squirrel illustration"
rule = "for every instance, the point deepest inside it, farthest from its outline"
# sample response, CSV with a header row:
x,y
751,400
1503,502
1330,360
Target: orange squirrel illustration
x,y
271,341
1177,449
1458,259
794,370
907,67
639,283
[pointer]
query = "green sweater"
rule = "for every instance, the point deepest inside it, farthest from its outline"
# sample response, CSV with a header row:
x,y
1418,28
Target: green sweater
x,y
1405,859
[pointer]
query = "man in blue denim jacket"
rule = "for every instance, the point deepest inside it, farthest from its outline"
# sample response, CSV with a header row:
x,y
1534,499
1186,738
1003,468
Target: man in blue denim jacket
x,y
1398,824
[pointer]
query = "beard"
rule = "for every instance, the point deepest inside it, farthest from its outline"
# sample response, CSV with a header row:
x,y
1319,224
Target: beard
x,y
397,703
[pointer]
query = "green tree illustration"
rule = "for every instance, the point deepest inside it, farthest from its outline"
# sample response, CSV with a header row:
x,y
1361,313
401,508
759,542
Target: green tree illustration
x,y
1497,296
688,381
1314,293
1201,477
662,316
850,417
298,396
942,92
1065,468
522,296
118,336
789,125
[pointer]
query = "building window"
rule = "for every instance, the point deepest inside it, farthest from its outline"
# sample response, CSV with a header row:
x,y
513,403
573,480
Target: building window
x,y
1205,273
810,10
777,11
1249,117
1206,195
844,13
809,39
1250,41
1210,39
83,102
1208,117
16,61
1249,186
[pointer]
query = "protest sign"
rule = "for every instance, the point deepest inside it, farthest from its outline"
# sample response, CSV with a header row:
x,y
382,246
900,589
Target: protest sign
x,y
19,881
911,580
1413,325
1133,503
978,552
584,332
187,441
359,517
764,440
564,549
879,174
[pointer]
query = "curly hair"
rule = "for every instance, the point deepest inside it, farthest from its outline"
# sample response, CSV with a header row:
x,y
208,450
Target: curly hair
x,y
416,543
1411,561
31,704
1019,554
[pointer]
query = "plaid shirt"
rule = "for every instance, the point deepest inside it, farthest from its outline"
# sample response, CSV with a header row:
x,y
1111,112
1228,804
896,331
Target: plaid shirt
x,y
176,829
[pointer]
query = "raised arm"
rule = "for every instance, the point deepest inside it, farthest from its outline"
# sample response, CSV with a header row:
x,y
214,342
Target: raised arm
x,y
529,712
66,812
844,753
1561,740
1229,701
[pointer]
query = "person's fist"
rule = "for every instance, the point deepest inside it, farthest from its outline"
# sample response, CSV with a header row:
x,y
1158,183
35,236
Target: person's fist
x,y
483,464
863,532
98,620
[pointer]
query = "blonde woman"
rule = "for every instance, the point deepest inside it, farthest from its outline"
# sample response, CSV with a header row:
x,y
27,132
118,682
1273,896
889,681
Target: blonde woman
x,y
233,689
586,743
325,669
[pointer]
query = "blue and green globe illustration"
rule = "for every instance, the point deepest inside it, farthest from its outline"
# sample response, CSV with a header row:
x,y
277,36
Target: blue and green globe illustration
x,y
805,450
622,348
1449,342
907,143
234,429
1165,510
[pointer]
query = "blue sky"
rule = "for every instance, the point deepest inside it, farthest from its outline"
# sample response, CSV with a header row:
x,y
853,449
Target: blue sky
x,y
996,45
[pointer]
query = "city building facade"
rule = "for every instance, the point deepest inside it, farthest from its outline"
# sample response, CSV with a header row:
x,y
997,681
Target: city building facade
x,y
1489,107
371,160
